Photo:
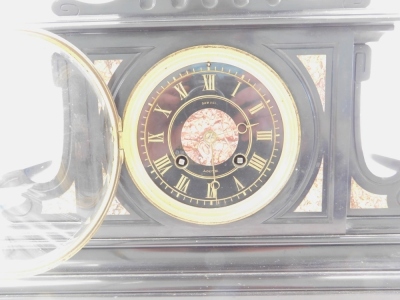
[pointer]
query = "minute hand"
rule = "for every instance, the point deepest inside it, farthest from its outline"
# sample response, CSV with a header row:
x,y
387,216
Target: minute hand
x,y
214,183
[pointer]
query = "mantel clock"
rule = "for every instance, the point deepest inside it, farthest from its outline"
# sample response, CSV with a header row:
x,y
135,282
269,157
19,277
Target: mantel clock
x,y
199,139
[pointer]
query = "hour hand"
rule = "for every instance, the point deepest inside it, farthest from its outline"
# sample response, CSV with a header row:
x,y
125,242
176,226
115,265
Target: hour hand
x,y
210,138
243,127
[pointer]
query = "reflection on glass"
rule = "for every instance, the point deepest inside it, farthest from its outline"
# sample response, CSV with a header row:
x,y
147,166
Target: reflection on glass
x,y
57,165
380,106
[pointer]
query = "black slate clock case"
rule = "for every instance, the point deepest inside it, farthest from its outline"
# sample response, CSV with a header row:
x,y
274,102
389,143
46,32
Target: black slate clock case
x,y
171,256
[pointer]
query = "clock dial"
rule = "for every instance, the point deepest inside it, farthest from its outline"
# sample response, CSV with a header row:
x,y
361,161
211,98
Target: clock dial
x,y
211,135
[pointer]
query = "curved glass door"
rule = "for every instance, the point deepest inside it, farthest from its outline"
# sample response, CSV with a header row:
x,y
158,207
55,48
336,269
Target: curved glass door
x,y
59,160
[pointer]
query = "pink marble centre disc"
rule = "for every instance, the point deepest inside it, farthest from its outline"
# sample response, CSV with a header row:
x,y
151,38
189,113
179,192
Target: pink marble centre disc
x,y
209,135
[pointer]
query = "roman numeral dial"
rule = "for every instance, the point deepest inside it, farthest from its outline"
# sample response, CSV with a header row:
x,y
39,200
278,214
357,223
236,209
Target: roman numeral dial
x,y
183,183
155,138
210,134
163,111
192,124
209,82
211,191
239,186
236,89
256,108
163,164
181,90
264,135
257,162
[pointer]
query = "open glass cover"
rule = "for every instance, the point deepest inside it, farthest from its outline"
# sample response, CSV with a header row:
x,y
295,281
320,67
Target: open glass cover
x,y
58,154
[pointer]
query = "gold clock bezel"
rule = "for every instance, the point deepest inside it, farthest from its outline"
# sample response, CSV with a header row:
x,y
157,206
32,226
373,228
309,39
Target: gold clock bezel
x,y
257,68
